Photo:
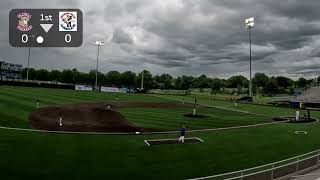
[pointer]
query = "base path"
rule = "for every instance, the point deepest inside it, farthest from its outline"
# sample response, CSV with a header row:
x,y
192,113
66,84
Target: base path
x,y
191,140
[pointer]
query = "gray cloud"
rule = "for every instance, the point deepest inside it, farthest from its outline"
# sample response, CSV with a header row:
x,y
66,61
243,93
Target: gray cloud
x,y
120,37
190,37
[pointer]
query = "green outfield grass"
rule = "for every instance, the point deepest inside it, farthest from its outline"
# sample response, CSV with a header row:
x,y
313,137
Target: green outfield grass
x,y
173,119
16,103
36,155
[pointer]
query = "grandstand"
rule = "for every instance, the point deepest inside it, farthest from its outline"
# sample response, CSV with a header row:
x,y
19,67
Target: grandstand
x,y
309,98
311,95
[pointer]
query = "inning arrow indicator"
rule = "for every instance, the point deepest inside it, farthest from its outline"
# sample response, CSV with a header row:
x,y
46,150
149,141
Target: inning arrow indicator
x,y
46,27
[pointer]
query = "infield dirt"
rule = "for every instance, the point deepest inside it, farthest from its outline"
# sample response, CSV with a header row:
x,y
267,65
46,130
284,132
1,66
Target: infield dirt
x,y
93,117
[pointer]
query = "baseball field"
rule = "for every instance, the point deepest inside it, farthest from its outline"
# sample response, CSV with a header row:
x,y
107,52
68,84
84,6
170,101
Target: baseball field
x,y
27,152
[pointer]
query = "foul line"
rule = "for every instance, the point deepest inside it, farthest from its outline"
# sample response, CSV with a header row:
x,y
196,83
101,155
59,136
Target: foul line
x,y
141,133
154,140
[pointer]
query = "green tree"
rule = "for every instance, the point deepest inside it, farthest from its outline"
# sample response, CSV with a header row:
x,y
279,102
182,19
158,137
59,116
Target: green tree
x,y
201,82
55,75
32,74
42,75
113,78
165,81
147,80
284,82
260,80
302,82
271,86
216,85
128,78
237,81
183,83
67,76
75,76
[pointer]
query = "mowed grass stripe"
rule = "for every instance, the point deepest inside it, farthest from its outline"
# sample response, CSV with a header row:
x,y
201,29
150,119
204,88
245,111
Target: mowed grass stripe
x,y
179,112
164,117
180,115
159,116
31,99
55,96
91,95
169,121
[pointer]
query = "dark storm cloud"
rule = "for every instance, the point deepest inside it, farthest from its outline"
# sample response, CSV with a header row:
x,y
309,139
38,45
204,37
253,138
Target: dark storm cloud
x,y
120,37
189,37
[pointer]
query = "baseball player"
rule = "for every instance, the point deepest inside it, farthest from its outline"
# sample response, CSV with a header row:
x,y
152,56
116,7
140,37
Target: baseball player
x,y
297,115
182,134
60,119
38,102
195,107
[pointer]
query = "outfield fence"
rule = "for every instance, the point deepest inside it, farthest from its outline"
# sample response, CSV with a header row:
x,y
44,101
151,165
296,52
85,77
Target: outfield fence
x,y
284,169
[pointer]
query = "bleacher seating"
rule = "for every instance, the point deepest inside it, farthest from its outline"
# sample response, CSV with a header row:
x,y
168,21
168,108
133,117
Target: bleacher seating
x,y
311,95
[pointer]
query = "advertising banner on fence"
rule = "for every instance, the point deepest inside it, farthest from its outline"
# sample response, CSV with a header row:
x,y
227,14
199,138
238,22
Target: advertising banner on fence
x,y
109,89
83,88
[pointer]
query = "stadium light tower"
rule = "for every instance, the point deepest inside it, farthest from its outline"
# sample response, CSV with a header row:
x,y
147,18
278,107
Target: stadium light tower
x,y
249,25
98,43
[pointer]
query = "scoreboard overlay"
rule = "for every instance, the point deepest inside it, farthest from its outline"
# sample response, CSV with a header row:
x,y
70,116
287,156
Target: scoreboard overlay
x,y
45,28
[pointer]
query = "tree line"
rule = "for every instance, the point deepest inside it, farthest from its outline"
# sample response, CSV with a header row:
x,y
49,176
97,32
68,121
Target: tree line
x,y
262,83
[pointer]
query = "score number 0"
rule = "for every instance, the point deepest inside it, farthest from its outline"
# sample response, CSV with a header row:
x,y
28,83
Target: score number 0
x,y
25,38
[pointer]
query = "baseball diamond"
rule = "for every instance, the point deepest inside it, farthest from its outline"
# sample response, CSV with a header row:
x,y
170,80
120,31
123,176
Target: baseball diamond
x,y
131,113
160,90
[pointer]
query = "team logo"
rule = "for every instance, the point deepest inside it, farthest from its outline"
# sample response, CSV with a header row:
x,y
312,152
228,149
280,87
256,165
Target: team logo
x,y
24,19
68,21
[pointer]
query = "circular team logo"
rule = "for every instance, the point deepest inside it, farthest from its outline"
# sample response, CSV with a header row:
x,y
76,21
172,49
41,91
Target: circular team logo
x,y
23,24
68,21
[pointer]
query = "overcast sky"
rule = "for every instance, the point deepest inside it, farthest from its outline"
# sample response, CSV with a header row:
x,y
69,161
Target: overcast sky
x,y
182,37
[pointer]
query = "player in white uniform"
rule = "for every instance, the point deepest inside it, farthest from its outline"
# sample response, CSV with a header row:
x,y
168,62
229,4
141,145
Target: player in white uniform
x,y
297,115
60,119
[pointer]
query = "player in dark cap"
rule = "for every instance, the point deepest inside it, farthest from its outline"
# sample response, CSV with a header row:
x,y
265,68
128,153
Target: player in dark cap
x,y
182,134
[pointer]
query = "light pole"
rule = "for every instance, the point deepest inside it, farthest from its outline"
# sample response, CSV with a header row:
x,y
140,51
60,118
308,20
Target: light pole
x,y
28,64
142,79
98,43
249,25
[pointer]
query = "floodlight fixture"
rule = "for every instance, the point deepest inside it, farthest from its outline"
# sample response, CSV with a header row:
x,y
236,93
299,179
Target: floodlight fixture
x,y
249,23
99,43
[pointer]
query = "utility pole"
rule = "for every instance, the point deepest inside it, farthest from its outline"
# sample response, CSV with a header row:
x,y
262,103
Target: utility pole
x,y
142,79
28,64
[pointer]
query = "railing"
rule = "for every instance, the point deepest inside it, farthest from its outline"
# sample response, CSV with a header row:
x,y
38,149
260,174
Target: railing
x,y
283,98
276,170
